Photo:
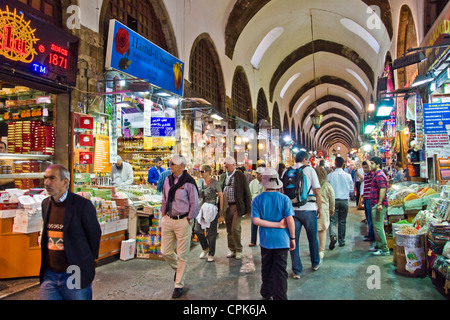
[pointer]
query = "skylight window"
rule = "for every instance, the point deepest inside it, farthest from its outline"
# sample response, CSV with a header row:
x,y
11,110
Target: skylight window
x,y
353,73
300,104
288,84
362,33
264,45
354,100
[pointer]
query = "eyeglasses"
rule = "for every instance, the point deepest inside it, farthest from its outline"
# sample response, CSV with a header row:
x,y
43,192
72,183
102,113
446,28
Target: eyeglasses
x,y
202,171
173,164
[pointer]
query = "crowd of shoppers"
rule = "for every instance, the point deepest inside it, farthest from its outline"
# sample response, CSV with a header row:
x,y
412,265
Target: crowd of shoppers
x,y
194,207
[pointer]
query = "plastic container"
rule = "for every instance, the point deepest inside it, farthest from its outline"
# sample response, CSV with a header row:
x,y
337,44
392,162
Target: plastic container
x,y
410,252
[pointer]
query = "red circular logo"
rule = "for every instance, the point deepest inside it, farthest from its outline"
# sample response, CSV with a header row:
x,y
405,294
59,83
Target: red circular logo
x,y
41,48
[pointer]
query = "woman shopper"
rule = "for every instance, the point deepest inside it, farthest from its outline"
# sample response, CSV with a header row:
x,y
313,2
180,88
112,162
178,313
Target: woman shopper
x,y
210,202
327,196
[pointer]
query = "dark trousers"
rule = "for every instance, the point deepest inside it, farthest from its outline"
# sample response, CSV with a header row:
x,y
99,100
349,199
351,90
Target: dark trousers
x,y
273,273
208,241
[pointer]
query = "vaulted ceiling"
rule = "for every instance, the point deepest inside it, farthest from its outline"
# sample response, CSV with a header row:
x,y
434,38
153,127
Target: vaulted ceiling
x,y
324,55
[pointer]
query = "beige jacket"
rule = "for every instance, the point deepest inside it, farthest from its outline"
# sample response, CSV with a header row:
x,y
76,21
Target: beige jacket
x,y
327,196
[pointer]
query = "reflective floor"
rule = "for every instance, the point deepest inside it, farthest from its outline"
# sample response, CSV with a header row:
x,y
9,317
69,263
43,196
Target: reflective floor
x,y
347,273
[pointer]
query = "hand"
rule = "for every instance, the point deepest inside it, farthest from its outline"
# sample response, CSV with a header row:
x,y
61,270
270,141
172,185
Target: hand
x,y
292,245
318,213
379,208
283,223
331,213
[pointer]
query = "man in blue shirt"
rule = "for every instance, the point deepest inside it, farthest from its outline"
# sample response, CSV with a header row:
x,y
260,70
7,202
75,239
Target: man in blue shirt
x,y
342,184
162,178
154,172
272,211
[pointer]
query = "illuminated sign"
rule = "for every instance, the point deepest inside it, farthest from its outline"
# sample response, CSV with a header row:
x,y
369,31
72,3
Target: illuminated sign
x,y
33,46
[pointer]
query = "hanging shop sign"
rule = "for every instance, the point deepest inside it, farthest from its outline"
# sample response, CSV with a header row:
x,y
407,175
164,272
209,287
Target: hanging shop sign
x,y
131,53
436,36
36,47
436,118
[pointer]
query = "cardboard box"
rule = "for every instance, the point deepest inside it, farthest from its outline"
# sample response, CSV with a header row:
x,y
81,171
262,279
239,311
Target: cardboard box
x,y
128,249
121,224
7,214
110,227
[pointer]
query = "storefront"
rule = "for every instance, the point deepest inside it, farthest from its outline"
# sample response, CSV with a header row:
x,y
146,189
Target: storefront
x,y
418,215
138,119
38,64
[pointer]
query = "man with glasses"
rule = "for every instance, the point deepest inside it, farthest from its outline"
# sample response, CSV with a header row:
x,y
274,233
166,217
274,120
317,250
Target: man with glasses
x,y
179,207
237,203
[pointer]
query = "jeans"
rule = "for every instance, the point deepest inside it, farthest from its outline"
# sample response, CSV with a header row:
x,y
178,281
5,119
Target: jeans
x,y
208,241
54,286
308,219
254,233
368,212
339,218
273,273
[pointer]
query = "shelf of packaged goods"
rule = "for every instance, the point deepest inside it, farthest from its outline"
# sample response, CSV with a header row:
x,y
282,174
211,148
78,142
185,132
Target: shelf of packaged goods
x,y
27,106
24,156
36,175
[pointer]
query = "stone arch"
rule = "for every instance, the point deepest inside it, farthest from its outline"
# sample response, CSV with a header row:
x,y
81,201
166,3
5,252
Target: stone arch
x,y
406,38
262,109
276,120
160,12
244,10
205,40
324,46
241,105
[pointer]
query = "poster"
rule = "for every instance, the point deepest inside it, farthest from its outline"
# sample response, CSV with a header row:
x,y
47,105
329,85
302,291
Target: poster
x,y
101,154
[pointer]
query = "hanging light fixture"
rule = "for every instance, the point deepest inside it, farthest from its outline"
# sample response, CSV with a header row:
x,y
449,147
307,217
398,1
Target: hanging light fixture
x,y
316,117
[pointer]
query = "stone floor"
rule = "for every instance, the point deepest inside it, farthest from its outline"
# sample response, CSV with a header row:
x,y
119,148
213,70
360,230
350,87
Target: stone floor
x,y
346,274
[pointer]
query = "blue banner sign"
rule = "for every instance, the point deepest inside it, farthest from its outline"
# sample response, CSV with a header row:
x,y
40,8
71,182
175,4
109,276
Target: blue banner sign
x,y
131,53
436,117
162,127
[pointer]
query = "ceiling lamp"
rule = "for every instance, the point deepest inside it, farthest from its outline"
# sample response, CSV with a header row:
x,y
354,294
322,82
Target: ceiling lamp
x,y
422,80
316,119
369,128
384,108
407,60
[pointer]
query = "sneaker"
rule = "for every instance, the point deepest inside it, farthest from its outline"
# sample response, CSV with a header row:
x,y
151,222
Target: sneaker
x,y
210,259
373,249
332,242
251,244
296,276
204,254
238,256
231,255
382,253
315,268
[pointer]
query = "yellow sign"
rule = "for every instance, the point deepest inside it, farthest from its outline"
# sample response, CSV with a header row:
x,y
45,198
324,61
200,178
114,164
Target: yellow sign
x,y
101,154
17,39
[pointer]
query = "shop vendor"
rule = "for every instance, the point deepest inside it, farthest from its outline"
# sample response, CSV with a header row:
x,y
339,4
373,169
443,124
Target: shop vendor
x,y
155,171
121,173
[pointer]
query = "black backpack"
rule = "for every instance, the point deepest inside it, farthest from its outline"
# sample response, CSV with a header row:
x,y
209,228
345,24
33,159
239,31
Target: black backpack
x,y
293,182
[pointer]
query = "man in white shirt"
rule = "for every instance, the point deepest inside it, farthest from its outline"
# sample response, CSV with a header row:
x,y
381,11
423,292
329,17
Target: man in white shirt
x,y
342,184
306,216
122,173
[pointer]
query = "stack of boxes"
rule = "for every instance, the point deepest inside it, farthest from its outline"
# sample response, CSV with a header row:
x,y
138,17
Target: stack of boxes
x,y
149,245
29,136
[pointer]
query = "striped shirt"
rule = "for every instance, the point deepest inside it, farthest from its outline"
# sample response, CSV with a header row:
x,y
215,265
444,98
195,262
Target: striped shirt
x,y
367,183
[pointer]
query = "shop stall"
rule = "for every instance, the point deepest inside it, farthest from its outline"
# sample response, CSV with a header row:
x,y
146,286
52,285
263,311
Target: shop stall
x,y
37,71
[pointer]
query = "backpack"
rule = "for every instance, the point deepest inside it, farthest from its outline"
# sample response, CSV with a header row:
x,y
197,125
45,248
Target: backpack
x,y
293,182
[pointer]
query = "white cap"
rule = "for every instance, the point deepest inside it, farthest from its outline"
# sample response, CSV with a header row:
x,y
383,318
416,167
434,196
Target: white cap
x,y
260,170
229,160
